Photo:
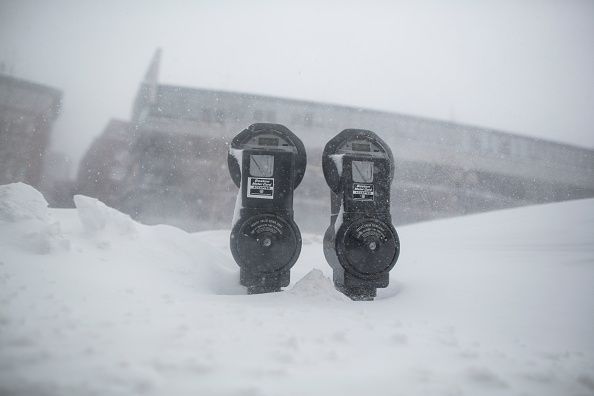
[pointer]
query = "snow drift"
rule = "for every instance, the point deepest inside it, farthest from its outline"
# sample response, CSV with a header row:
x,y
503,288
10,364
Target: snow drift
x,y
92,302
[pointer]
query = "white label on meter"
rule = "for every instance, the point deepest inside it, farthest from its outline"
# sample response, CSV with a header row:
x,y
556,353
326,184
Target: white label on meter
x,y
260,187
363,192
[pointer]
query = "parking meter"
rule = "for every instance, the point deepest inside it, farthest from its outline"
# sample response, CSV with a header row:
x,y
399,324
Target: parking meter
x,y
267,162
361,244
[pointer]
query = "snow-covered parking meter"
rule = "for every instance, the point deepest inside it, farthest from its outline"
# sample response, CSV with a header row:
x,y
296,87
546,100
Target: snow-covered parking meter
x,y
267,162
361,244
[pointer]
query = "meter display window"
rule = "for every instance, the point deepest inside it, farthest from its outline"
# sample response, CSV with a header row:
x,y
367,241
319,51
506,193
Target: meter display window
x,y
361,147
261,165
268,141
362,171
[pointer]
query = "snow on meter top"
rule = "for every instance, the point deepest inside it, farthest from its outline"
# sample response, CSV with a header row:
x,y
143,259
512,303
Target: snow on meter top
x,y
361,244
267,162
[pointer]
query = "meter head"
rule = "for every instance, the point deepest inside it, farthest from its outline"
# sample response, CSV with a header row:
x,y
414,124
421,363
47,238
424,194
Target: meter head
x,y
362,147
270,138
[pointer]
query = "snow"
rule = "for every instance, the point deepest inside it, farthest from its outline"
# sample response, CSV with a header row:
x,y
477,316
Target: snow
x,y
24,210
337,159
316,287
97,218
92,302
238,155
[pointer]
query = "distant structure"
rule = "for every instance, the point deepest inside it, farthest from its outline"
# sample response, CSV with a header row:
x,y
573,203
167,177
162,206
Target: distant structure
x,y
57,184
107,163
27,113
168,164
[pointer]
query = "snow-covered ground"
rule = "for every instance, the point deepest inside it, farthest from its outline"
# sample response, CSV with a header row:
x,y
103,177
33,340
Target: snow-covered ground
x,y
94,303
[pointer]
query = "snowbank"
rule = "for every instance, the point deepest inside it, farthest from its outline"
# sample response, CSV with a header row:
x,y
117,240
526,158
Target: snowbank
x,y
25,221
92,302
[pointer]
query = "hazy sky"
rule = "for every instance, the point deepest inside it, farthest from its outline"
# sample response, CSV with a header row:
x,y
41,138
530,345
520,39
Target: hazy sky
x,y
520,66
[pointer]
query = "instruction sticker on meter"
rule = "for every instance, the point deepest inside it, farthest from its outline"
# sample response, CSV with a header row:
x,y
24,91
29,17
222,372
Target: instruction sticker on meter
x,y
260,187
363,192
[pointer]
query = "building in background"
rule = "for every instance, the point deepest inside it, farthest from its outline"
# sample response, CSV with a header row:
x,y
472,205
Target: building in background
x,y
27,113
106,164
57,184
169,163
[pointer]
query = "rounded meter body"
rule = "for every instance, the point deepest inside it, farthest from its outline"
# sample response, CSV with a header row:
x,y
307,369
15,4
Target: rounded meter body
x,y
267,162
361,244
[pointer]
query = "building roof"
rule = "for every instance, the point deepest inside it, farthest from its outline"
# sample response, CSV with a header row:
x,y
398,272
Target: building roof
x,y
27,96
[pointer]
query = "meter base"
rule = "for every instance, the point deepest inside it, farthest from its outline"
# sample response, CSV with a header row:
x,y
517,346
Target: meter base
x,y
258,283
358,289
358,293
262,289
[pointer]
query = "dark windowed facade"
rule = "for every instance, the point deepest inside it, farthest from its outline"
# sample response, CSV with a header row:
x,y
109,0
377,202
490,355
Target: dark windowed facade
x,y
27,113
442,169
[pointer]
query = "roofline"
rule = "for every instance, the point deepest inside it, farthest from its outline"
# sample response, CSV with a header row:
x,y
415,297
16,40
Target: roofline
x,y
435,121
32,85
